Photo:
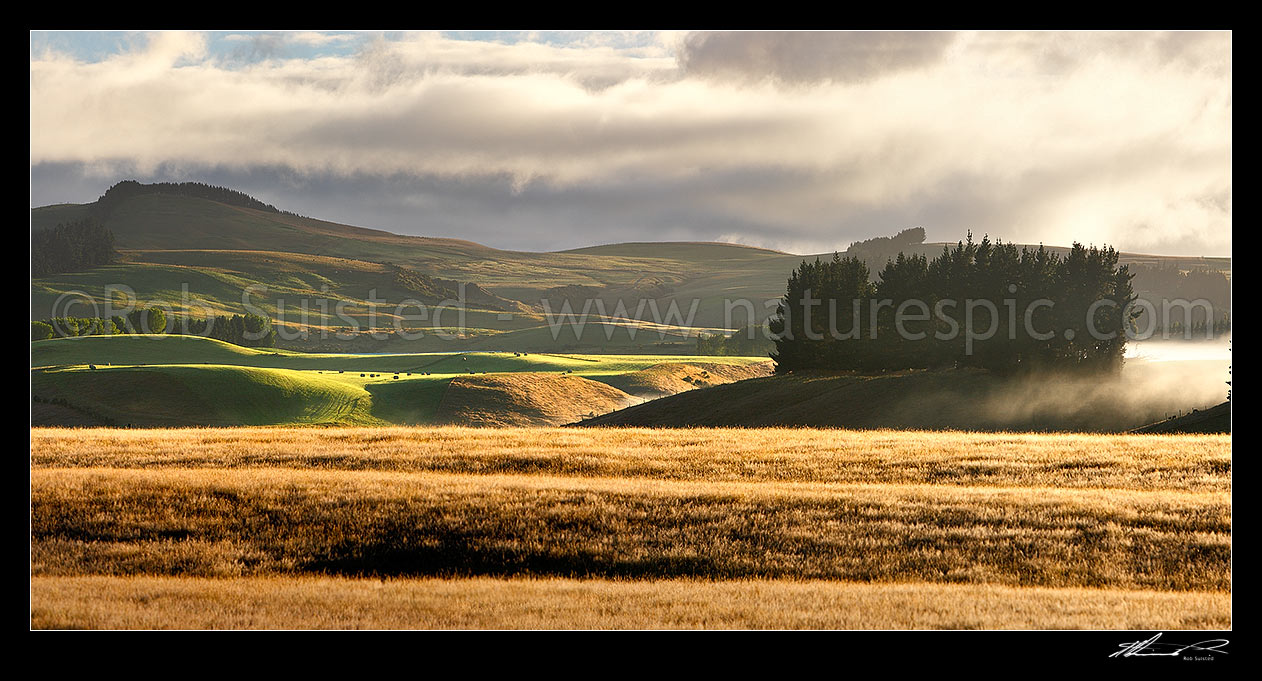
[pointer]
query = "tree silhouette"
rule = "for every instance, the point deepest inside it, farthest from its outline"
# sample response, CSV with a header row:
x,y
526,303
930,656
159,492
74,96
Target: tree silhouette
x,y
825,319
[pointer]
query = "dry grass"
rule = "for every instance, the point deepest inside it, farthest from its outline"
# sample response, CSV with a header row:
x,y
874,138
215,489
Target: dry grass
x,y
324,603
1138,462
1049,530
676,377
239,522
526,399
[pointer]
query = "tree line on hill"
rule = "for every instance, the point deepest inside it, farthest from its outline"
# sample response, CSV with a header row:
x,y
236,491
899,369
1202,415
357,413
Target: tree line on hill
x,y
886,247
71,247
249,330
1158,283
747,343
1178,329
923,313
1154,282
1197,282
142,320
128,189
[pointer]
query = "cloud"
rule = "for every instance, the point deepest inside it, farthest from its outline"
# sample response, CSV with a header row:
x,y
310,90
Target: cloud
x,y
315,38
1113,138
597,62
809,56
257,47
1061,52
253,47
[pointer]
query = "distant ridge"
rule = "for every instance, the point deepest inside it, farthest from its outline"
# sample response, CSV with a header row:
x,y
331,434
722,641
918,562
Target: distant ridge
x,y
168,234
199,216
635,248
104,209
131,188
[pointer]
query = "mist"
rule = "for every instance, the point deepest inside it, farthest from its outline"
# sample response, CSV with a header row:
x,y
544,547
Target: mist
x,y
1158,380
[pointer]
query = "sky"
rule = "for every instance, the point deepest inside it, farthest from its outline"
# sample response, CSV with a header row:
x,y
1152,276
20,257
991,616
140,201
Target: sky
x,y
799,141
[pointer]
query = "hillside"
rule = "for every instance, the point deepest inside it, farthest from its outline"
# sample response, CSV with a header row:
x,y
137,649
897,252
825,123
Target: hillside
x,y
932,400
680,250
174,349
154,380
150,349
170,243
932,249
669,378
169,222
160,222
526,399
1216,419
198,395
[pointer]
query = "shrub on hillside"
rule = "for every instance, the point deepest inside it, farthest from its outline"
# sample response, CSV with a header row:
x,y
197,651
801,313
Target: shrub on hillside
x,y
41,331
747,343
146,320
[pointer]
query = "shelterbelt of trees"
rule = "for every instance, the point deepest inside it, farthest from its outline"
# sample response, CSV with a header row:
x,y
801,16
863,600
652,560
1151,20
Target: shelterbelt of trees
x,y
977,304
249,330
130,188
71,247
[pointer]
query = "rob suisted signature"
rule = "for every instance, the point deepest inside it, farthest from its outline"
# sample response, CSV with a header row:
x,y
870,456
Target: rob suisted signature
x,y
1151,648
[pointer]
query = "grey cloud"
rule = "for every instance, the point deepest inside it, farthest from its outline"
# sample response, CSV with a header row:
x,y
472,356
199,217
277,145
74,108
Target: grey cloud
x,y
781,208
809,56
1211,49
53,183
485,209
1057,53
498,144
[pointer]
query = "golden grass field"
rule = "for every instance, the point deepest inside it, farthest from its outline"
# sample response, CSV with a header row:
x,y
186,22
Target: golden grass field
x,y
627,528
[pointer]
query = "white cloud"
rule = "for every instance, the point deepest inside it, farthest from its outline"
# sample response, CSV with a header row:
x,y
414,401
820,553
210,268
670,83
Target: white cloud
x,y
318,39
1123,138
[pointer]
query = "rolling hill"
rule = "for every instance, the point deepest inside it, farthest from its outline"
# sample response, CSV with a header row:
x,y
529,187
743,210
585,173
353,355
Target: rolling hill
x,y
173,222
155,380
198,256
159,222
1216,419
158,349
173,244
201,395
669,378
526,399
960,399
